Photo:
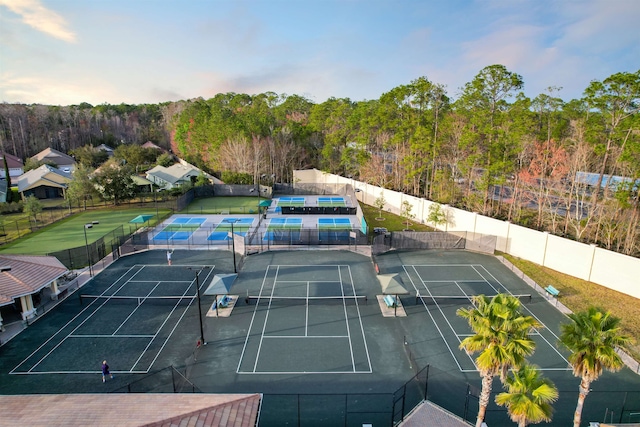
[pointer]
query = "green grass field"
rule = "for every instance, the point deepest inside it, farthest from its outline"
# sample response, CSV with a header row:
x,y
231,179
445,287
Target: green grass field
x,y
216,205
69,233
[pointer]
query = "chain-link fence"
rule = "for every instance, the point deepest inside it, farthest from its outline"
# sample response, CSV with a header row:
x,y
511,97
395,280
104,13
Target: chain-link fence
x,y
433,240
166,380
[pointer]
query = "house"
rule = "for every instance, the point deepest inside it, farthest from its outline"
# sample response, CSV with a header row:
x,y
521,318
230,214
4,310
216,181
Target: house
x,y
106,149
64,162
3,190
150,144
143,184
176,175
22,278
45,182
15,165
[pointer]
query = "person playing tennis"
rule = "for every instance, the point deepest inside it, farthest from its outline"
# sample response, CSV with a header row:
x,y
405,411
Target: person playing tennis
x,y
169,253
105,371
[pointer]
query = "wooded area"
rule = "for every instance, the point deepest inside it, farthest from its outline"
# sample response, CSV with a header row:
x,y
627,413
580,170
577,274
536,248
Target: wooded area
x,y
491,150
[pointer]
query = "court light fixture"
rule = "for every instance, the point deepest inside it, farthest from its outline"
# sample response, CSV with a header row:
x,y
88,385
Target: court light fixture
x,y
198,271
86,244
233,242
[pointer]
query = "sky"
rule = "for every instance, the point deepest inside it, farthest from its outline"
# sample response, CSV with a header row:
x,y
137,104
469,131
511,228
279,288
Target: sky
x,y
65,52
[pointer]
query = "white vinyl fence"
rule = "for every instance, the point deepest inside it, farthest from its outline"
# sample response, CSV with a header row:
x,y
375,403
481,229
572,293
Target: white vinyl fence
x,y
588,262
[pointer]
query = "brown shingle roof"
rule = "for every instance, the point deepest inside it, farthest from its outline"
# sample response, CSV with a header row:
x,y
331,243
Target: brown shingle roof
x,y
29,274
131,410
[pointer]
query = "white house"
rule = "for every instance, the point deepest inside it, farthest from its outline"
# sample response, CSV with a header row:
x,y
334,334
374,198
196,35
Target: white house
x,y
176,175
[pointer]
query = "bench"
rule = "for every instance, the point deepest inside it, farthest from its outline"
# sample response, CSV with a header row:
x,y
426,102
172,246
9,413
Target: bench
x,y
390,300
552,291
222,302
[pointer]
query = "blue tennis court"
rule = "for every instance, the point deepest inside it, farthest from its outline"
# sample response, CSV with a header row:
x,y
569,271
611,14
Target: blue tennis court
x,y
334,229
240,226
283,229
173,235
334,222
189,220
285,221
291,201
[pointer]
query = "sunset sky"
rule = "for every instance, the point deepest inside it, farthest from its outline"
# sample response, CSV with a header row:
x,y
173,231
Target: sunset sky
x,y
63,52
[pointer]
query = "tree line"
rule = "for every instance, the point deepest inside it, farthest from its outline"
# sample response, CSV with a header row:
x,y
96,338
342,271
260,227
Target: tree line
x,y
491,150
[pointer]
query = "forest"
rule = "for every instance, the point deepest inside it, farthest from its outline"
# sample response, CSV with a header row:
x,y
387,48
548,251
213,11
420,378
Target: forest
x,y
490,149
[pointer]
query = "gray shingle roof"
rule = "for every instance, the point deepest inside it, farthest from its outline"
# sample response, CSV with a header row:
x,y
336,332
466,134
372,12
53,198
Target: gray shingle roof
x,y
44,175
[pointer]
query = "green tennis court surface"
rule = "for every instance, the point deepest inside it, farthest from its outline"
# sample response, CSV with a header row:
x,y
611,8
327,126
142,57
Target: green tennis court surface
x,y
291,201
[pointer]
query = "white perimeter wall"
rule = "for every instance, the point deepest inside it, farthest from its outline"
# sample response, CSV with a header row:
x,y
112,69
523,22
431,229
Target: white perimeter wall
x,y
585,261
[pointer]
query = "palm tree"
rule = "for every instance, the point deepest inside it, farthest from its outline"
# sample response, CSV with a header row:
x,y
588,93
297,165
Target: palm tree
x,y
529,396
501,335
592,337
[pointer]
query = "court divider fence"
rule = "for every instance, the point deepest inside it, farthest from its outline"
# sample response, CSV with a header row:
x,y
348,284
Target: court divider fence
x,y
417,240
166,380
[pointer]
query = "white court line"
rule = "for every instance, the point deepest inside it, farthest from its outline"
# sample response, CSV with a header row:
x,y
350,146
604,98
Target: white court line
x,y
78,372
266,317
346,321
163,281
364,338
246,341
263,335
303,372
72,335
532,315
302,336
81,323
446,318
430,315
108,336
134,310
309,281
176,323
306,320
67,324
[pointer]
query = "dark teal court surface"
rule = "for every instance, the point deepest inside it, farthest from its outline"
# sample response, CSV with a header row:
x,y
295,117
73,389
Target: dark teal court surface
x,y
308,355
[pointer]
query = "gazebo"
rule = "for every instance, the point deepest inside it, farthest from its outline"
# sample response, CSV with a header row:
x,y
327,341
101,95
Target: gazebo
x,y
391,284
220,285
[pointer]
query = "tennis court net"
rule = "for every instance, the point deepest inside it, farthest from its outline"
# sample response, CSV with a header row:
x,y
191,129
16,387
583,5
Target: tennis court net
x,y
164,300
340,300
459,299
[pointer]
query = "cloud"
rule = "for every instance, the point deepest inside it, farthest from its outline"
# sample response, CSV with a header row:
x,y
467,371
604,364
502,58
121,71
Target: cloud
x,y
34,89
37,16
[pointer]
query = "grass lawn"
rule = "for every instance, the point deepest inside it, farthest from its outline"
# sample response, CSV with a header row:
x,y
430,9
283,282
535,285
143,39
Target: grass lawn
x,y
69,233
214,205
579,295
391,221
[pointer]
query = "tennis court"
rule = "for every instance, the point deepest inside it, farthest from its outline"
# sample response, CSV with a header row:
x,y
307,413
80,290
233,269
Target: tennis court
x,y
276,226
222,229
443,289
291,201
331,201
181,228
285,340
334,229
134,317
306,309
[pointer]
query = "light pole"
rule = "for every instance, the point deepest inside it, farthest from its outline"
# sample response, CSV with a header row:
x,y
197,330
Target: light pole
x,y
199,303
86,244
233,243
